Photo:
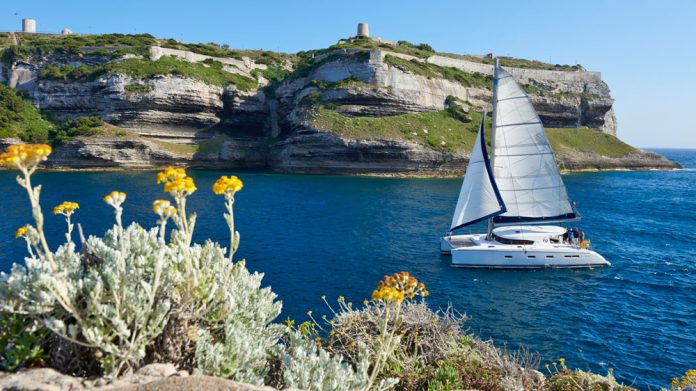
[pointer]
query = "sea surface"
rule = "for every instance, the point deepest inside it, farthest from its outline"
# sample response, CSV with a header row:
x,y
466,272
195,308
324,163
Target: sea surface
x,y
335,235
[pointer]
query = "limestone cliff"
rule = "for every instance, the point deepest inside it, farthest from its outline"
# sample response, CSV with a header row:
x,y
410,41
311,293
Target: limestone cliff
x,y
332,110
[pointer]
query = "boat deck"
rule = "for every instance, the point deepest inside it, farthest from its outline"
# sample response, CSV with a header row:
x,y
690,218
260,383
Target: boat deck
x,y
457,242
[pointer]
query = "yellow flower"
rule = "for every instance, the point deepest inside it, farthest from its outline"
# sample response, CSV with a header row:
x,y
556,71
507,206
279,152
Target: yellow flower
x,y
227,185
397,287
66,208
160,205
180,187
170,174
163,208
561,360
115,198
21,232
24,155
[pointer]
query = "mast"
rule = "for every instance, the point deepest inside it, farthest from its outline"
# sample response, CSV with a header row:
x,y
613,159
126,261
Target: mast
x,y
496,64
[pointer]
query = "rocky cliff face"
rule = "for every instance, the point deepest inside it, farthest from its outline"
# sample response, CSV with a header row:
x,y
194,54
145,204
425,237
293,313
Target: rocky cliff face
x,y
175,118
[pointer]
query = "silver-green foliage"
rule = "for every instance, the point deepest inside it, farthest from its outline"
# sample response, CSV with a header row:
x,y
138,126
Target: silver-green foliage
x,y
118,294
309,367
239,346
112,298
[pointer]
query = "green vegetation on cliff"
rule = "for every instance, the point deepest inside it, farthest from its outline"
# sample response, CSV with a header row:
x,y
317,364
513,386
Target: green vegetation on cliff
x,y
587,140
20,119
80,127
433,71
441,130
43,44
66,72
213,49
516,62
365,44
210,72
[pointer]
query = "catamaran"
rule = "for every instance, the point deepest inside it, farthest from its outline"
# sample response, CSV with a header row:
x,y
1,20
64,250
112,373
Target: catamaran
x,y
517,190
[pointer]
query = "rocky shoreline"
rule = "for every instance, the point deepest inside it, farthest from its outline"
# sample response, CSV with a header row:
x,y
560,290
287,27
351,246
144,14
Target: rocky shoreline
x,y
337,157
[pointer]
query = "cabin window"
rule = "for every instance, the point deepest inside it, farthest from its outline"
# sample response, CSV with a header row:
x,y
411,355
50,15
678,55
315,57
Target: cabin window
x,y
500,239
508,256
549,256
572,256
531,256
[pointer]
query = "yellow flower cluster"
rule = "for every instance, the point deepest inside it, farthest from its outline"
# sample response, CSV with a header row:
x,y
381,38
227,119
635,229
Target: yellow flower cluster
x,y
397,287
163,208
227,185
24,155
170,174
176,182
21,231
688,380
66,208
115,198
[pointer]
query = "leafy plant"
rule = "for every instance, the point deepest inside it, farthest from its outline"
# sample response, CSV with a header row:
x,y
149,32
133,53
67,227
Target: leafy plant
x,y
20,341
446,378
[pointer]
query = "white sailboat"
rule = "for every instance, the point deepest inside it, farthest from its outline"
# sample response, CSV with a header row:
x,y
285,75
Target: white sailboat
x,y
515,190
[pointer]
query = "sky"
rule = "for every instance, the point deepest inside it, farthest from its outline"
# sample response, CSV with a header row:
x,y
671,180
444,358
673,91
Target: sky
x,y
645,50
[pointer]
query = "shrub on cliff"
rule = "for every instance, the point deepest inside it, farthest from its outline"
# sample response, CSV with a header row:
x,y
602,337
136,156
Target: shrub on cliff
x,y
81,126
64,72
563,378
19,118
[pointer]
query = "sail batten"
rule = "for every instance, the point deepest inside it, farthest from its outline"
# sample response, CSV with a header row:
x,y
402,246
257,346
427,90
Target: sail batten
x,y
524,165
479,197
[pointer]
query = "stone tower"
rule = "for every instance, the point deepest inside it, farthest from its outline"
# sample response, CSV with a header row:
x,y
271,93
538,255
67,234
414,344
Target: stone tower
x,y
28,26
363,30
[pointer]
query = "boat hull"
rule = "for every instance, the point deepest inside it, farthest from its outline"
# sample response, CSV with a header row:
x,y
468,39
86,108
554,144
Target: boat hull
x,y
474,251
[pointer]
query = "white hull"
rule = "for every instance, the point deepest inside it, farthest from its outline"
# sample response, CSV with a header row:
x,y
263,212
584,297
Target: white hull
x,y
475,251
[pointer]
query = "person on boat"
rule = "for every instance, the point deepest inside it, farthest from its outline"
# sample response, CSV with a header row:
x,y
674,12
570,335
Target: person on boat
x,y
576,232
581,238
570,237
565,236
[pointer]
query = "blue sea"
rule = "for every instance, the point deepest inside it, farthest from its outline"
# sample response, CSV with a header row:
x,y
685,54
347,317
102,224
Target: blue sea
x,y
338,235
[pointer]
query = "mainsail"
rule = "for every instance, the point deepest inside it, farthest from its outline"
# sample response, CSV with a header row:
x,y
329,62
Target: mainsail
x,y
523,163
479,198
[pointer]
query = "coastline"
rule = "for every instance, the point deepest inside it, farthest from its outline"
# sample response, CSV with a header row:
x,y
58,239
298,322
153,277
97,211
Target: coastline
x,y
396,175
